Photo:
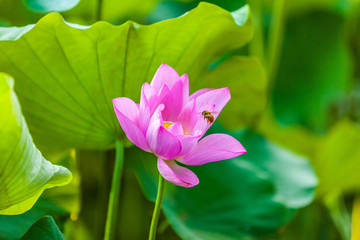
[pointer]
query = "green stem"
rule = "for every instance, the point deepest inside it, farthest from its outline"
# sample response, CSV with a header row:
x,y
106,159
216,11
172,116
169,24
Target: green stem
x,y
256,46
114,193
275,40
99,10
155,218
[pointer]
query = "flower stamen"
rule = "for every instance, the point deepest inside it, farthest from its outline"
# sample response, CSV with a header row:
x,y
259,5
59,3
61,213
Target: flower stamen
x,y
167,124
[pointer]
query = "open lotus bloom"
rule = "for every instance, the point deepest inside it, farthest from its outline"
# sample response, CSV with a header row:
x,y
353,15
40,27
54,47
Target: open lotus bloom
x,y
170,123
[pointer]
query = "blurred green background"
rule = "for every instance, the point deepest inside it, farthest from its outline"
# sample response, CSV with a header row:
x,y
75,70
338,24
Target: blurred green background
x,y
293,68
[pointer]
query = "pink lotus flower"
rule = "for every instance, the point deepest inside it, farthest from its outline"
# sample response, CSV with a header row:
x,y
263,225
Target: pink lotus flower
x,y
169,123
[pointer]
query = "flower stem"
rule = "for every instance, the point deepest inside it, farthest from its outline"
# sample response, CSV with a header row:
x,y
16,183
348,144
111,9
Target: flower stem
x,y
275,40
155,218
99,10
256,46
114,193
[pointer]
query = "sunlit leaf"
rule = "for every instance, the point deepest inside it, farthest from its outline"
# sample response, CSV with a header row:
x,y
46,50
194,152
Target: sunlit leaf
x,y
46,6
44,229
61,203
68,76
24,173
245,196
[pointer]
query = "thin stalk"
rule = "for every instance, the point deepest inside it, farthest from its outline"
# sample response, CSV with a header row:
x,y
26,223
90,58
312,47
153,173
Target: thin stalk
x,y
114,193
156,214
256,46
276,36
99,10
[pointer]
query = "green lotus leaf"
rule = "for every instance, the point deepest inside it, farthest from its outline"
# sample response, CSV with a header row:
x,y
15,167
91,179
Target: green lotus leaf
x,y
67,75
24,173
14,226
292,174
45,228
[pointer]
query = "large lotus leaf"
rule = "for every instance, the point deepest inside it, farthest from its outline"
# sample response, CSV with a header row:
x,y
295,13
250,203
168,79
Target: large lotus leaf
x,y
314,69
45,228
68,76
337,159
45,6
24,173
244,196
293,175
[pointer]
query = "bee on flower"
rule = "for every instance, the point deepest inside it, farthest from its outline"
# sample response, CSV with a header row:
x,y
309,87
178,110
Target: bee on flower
x,y
208,116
